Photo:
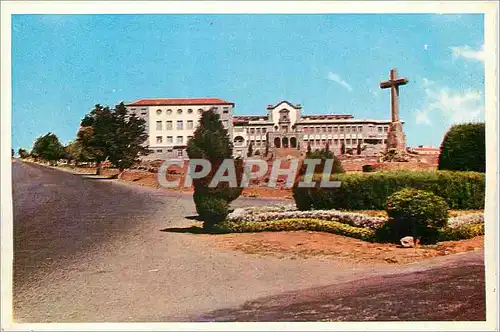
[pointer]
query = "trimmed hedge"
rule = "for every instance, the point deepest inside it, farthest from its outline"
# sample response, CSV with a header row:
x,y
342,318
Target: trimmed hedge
x,y
369,191
463,148
462,232
295,225
444,234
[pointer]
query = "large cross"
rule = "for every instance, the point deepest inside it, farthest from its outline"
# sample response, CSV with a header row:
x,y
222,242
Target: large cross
x,y
394,82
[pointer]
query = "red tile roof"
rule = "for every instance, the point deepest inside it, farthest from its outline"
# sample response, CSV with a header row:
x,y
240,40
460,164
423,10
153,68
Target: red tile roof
x,y
327,116
179,101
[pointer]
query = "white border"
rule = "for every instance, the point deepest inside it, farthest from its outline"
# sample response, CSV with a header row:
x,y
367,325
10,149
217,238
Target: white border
x,y
489,8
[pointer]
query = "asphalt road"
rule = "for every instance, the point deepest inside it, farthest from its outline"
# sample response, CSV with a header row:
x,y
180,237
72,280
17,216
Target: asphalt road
x,y
91,250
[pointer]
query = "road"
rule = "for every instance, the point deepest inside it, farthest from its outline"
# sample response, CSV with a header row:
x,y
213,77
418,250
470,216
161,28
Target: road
x,y
93,250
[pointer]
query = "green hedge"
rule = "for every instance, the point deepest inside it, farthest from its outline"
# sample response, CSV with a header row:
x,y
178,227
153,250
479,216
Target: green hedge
x,y
369,191
295,225
461,233
317,225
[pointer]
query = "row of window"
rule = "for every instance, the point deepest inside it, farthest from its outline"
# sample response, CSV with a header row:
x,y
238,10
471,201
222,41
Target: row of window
x,y
180,152
170,139
225,110
348,142
180,124
342,129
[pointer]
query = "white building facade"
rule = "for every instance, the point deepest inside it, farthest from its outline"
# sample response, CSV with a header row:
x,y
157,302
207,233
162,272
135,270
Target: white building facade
x,y
170,123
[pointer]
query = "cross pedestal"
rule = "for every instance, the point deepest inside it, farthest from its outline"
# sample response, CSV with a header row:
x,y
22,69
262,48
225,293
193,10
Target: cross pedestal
x,y
395,138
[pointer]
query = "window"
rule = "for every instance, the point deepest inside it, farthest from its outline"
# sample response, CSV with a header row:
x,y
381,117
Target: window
x,y
341,129
169,112
170,139
225,123
360,128
189,124
169,125
158,125
347,129
386,129
252,131
379,129
324,129
336,142
189,138
158,112
179,124
200,111
179,140
159,139
159,151
329,129
335,129
190,111
348,141
132,109
215,109
257,130
264,130
179,111
225,110
179,153
144,109
144,113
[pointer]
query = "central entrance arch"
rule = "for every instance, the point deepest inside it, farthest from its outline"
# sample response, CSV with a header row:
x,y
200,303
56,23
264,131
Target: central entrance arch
x,y
285,142
277,142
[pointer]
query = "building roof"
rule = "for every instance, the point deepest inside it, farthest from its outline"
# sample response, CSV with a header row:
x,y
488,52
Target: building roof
x,y
270,107
326,117
179,101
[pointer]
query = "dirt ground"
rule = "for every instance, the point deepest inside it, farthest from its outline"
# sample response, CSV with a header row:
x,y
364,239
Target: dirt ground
x,y
303,244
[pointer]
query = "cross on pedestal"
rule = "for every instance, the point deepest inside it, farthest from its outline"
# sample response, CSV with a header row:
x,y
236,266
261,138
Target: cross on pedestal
x,y
394,82
396,137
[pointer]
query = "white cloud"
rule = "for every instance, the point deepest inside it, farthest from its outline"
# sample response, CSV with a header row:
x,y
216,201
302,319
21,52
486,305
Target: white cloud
x,y
337,79
468,53
451,105
422,117
426,47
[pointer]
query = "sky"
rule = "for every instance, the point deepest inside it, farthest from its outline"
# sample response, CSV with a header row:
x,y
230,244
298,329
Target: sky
x,y
62,65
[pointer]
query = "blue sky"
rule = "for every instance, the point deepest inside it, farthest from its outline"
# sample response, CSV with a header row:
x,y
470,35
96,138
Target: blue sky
x,y
64,64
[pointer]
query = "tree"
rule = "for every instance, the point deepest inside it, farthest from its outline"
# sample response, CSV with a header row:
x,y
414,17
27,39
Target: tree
x,y
309,149
266,152
358,148
211,142
23,153
342,148
12,152
113,135
48,148
464,148
250,150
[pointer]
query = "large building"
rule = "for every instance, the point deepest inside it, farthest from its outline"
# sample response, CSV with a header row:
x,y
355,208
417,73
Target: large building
x,y
171,123
285,127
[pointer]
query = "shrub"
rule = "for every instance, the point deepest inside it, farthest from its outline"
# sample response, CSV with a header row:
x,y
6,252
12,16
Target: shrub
x,y
368,168
295,225
462,232
210,209
369,191
463,148
211,142
416,213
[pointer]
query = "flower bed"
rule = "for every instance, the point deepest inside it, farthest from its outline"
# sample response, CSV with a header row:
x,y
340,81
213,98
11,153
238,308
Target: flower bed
x,y
356,225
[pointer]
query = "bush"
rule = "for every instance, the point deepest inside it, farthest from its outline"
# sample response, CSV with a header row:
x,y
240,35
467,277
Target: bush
x,y
210,209
369,191
295,225
416,213
462,232
463,148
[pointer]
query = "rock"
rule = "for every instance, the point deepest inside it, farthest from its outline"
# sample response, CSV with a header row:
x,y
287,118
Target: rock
x,y
407,242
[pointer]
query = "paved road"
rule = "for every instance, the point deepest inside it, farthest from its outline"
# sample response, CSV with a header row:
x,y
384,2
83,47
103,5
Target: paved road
x,y
89,250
